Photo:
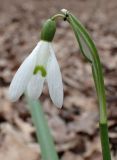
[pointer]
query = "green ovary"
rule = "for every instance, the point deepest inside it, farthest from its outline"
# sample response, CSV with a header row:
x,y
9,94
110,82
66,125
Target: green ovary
x,y
41,69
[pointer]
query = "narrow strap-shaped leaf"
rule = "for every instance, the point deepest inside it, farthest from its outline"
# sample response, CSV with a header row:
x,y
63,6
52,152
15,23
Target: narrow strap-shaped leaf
x,y
43,133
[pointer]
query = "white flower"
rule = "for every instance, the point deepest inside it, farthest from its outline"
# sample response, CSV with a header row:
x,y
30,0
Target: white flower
x,y
39,66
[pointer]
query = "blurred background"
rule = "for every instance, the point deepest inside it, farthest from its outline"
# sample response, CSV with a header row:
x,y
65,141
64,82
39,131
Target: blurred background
x,y
75,127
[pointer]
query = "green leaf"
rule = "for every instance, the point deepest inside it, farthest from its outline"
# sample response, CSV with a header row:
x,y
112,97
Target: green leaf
x,y
44,137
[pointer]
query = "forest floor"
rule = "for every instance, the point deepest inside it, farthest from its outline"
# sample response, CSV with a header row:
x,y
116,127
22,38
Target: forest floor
x,y
75,127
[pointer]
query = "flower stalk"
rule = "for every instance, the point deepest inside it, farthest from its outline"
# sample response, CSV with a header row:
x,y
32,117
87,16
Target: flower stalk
x,y
90,52
57,16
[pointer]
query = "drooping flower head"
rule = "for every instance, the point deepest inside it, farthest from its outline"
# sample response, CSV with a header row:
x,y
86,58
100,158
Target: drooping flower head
x,y
39,66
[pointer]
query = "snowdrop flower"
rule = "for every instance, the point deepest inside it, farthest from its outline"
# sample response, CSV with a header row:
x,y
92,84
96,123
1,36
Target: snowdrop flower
x,y
39,66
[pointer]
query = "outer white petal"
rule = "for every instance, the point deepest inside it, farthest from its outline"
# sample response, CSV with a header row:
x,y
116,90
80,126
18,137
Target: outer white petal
x,y
23,75
43,54
35,86
54,80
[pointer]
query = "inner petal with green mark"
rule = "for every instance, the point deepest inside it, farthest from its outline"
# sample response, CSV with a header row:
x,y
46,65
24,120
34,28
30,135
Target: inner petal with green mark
x,y
41,69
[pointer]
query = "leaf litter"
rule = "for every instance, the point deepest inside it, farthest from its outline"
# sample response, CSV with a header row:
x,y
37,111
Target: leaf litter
x,y
75,127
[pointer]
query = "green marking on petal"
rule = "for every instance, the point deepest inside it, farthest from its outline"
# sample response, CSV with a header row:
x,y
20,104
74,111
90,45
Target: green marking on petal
x,y
41,69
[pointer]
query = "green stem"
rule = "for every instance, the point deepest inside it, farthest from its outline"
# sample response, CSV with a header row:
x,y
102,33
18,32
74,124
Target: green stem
x,y
43,134
105,141
103,124
57,16
86,42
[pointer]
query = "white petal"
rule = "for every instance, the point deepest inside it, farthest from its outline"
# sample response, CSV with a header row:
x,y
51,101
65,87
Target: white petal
x,y
23,75
54,80
43,53
35,86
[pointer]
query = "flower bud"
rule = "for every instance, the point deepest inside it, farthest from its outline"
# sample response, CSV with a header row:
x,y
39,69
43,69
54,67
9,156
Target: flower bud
x,y
48,30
